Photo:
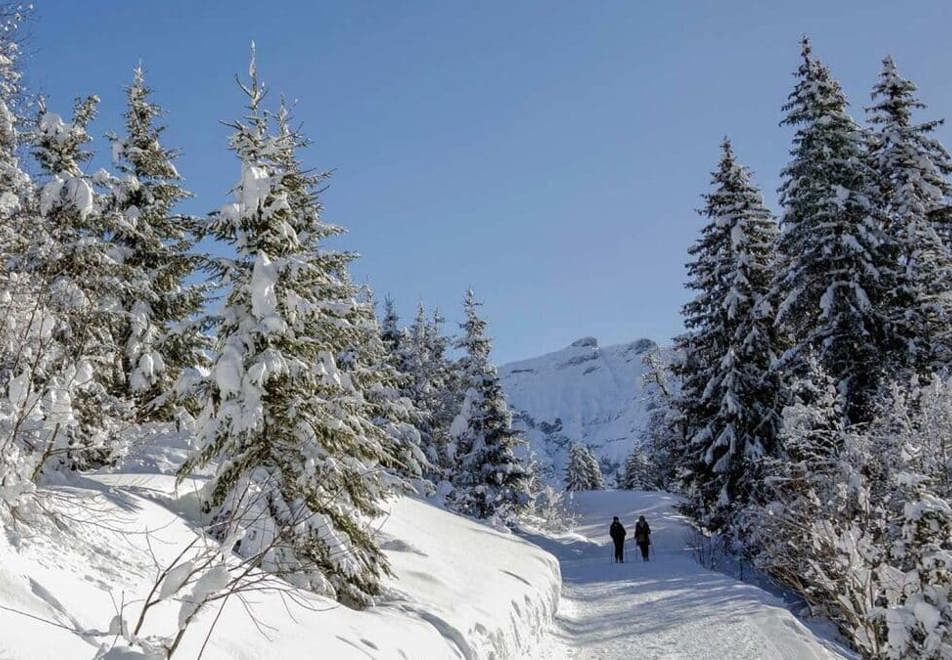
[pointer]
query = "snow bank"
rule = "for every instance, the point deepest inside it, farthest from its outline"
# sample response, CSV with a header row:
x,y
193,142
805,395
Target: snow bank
x,y
460,589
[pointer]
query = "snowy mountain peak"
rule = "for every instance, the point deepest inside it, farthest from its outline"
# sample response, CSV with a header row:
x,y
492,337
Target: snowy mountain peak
x,y
582,393
585,341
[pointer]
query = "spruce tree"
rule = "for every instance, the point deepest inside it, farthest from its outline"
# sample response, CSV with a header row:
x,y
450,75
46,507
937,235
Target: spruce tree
x,y
158,334
422,384
594,471
428,379
729,390
21,231
71,253
446,388
912,195
830,280
489,478
578,470
298,454
636,473
38,369
19,228
663,429
379,375
918,612
821,530
16,189
389,330
921,625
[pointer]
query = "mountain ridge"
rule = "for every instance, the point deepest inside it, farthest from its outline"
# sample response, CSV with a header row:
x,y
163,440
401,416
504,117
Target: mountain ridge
x,y
582,393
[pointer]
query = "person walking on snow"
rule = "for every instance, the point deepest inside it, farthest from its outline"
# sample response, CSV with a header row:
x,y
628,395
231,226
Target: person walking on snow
x,y
643,536
618,533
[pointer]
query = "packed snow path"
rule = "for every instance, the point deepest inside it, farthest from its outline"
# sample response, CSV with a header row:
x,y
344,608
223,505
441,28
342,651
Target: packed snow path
x,y
669,607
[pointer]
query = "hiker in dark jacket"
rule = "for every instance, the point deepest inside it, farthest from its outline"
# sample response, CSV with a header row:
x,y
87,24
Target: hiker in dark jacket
x,y
618,533
643,536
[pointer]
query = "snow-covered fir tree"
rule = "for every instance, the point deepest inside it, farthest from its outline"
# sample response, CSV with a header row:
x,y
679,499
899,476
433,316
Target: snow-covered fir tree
x,y
428,378
416,354
80,268
663,429
856,519
930,437
831,273
820,531
729,391
298,456
636,473
158,333
446,388
912,194
912,434
595,472
582,471
489,478
795,483
19,226
919,622
576,469
421,361
380,376
38,373
15,186
389,325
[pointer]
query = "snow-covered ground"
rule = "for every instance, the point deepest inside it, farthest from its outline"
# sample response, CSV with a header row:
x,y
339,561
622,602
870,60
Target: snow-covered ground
x,y
460,589
669,607
584,393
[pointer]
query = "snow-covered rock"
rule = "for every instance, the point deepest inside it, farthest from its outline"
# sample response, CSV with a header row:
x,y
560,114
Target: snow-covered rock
x,y
583,393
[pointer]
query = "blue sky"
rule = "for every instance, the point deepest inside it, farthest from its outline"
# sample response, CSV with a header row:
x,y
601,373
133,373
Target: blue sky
x,y
548,154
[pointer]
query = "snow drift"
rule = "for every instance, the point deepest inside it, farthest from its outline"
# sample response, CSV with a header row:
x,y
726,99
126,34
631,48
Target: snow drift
x,y
460,589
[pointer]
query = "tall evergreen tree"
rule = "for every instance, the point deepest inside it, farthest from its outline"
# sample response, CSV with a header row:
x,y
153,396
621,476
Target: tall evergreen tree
x,y
489,478
918,591
380,376
636,472
71,253
582,471
18,221
595,471
16,190
158,334
299,453
39,364
663,429
421,384
428,379
447,387
830,282
389,326
807,498
729,391
912,195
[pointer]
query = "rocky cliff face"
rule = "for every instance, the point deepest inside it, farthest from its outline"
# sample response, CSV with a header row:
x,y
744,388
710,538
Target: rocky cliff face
x,y
583,393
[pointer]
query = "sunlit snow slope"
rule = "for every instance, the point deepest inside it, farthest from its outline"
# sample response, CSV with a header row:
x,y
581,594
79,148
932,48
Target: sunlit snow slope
x,y
459,589
583,393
